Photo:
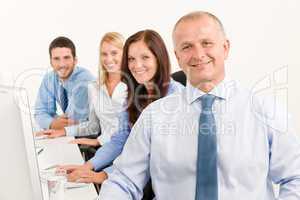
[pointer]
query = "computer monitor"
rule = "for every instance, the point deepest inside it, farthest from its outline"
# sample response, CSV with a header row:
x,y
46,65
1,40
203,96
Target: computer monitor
x,y
19,168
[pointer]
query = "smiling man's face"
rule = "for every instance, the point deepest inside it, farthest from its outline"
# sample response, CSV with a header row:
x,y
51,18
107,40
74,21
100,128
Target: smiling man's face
x,y
63,62
201,49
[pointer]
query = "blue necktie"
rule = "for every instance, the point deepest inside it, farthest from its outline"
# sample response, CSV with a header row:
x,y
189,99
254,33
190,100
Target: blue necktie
x,y
207,175
63,98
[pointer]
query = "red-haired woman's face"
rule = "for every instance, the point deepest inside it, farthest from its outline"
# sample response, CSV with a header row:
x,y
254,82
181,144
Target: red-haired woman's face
x,y
142,62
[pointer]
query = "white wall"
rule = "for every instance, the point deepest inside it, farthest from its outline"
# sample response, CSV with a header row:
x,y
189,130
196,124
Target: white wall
x,y
264,36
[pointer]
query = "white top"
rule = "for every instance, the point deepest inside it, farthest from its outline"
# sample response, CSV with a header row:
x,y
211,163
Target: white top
x,y
104,112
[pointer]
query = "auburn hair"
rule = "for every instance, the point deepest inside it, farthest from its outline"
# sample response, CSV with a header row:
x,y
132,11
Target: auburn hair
x,y
138,98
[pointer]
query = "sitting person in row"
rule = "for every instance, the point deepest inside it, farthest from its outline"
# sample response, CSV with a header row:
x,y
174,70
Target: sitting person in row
x,y
215,140
65,85
106,97
146,72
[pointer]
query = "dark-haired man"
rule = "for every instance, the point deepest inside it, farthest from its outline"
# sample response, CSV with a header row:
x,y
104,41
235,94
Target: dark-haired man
x,y
66,86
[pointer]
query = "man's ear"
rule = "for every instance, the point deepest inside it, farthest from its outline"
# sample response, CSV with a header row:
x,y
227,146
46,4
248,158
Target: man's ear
x,y
51,61
176,54
75,60
178,60
226,48
177,57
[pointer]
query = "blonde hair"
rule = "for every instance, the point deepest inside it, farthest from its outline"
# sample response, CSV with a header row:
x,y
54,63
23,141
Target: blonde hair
x,y
199,14
117,40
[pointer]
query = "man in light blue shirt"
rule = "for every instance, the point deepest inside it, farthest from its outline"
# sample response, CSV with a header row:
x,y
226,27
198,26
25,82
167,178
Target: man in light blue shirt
x,y
66,86
254,148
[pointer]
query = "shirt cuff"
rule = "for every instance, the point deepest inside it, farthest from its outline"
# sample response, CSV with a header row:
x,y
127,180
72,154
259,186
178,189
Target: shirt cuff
x,y
109,170
44,123
93,160
71,130
102,139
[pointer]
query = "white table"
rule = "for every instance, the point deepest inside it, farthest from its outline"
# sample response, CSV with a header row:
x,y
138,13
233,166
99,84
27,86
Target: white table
x,y
57,152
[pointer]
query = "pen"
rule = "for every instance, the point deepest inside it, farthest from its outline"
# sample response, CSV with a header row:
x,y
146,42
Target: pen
x,y
51,167
40,151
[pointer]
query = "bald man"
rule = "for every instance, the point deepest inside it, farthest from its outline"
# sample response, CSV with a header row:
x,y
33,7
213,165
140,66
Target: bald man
x,y
212,141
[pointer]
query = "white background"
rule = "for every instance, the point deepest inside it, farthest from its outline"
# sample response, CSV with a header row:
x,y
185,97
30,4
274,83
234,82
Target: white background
x,y
264,35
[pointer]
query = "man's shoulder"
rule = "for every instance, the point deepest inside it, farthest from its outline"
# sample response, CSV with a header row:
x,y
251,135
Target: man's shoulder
x,y
261,102
50,76
83,74
93,87
174,87
170,101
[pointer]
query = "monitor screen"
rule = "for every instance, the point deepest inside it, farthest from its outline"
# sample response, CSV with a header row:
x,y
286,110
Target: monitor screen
x,y
18,169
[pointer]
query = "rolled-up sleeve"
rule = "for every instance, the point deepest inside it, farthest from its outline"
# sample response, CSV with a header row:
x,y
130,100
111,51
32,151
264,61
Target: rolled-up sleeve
x,y
284,150
106,154
45,107
131,169
285,163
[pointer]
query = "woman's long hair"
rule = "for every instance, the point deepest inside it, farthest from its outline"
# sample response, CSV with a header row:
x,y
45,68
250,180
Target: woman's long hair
x,y
138,98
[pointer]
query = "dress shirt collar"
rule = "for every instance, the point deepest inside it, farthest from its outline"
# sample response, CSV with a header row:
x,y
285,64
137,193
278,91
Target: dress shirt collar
x,y
71,77
223,91
120,87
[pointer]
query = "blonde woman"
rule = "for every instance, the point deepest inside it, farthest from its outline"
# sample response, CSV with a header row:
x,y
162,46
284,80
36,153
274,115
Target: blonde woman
x,y
146,71
106,96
